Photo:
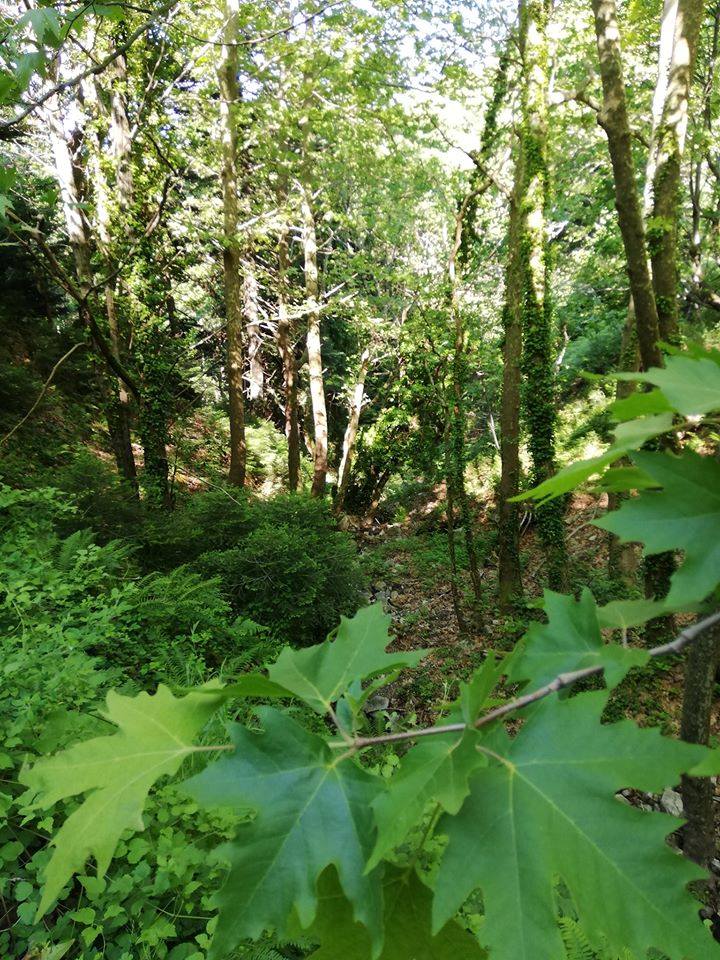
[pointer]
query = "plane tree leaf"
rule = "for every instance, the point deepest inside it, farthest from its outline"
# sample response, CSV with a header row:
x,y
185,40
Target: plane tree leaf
x,y
312,811
628,436
321,674
691,385
156,733
683,515
408,904
545,809
570,640
436,769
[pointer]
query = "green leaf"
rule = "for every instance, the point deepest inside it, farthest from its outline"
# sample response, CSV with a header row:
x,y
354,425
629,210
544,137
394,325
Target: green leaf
x,y
312,811
640,404
634,433
570,477
437,768
408,904
623,614
684,515
570,640
544,808
628,436
475,692
155,736
691,386
621,479
253,685
709,766
319,675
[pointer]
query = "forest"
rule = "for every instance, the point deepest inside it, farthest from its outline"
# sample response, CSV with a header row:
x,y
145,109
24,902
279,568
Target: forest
x,y
360,480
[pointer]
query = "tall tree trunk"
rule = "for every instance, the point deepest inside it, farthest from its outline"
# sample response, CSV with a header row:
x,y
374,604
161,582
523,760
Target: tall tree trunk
x,y
251,311
314,347
351,431
623,558
457,416
450,528
287,356
509,572
614,120
537,364
663,237
698,792
119,412
232,261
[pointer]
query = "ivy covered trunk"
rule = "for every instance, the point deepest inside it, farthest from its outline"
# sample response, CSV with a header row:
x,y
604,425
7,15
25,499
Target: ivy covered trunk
x,y
232,261
538,366
509,571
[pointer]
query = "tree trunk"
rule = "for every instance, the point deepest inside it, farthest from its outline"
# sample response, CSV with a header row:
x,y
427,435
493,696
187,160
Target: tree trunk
x,y
456,476
251,311
351,431
623,558
227,78
614,120
698,792
119,411
537,365
509,572
450,530
314,348
663,236
287,355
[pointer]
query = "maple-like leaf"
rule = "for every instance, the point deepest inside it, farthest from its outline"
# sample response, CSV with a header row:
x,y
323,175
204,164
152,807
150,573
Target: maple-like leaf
x,y
691,385
312,811
320,675
408,904
683,515
155,735
436,769
628,436
544,808
570,640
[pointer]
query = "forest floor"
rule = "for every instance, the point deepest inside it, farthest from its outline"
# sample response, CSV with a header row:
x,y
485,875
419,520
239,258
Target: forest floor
x,y
406,563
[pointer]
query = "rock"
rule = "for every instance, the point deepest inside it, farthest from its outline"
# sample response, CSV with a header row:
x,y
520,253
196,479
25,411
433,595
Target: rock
x,y
622,798
376,703
394,596
671,802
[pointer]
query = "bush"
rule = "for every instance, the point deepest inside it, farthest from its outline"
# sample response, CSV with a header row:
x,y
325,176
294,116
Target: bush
x,y
293,572
216,520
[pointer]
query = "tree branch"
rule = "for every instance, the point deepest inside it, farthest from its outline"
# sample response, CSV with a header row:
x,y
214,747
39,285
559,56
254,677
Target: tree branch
x,y
42,393
560,682
97,68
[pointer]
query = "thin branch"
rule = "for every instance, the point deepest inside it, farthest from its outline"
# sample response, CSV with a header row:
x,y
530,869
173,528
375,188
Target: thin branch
x,y
42,393
97,68
563,680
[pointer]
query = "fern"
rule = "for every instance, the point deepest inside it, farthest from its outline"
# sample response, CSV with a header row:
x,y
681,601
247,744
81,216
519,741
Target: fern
x,y
574,940
577,946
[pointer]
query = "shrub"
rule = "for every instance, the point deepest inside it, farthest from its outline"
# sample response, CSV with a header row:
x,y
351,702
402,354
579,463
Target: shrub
x,y
216,520
294,572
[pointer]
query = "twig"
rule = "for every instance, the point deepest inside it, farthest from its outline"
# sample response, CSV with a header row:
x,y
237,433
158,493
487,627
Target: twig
x,y
98,68
560,682
42,393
